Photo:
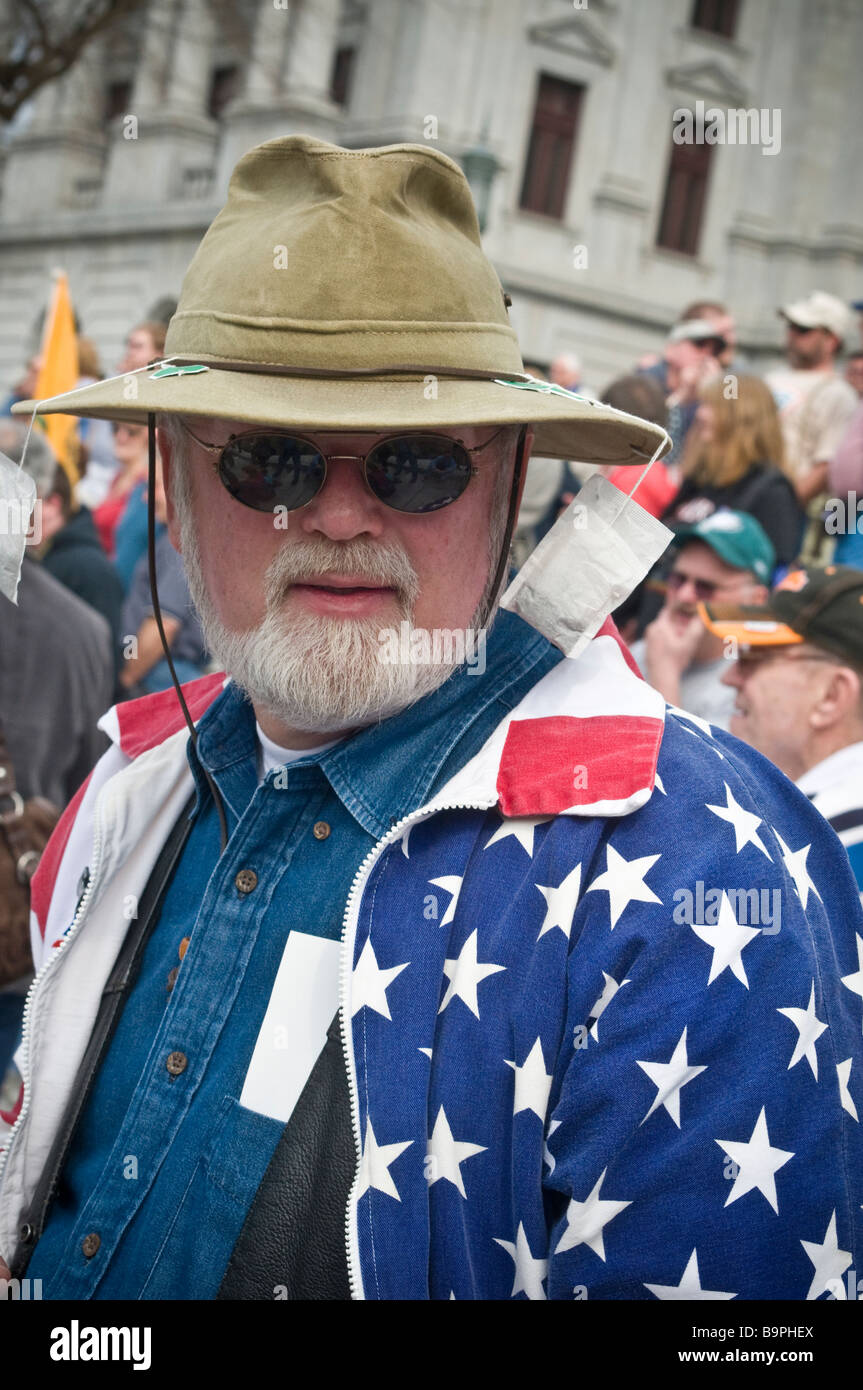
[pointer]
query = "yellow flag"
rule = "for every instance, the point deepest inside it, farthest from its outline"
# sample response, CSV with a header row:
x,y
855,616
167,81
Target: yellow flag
x,y
59,372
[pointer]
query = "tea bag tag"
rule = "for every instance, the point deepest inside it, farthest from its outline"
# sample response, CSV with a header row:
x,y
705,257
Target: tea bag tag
x,y
17,500
593,557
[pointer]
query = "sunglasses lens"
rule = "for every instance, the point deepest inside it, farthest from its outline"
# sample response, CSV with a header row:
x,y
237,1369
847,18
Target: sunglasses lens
x,y
264,471
418,473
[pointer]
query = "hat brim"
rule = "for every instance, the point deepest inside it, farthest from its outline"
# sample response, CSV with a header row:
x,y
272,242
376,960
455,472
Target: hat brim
x,y
565,426
750,626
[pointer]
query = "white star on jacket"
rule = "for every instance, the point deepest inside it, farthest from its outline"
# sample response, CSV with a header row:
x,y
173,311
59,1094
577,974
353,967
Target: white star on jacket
x,y
702,724
610,988
795,863
689,1286
669,1078
561,903
370,983
745,822
843,1072
448,1154
623,881
465,973
547,1156
855,982
586,1221
728,940
532,1083
450,883
521,828
757,1163
529,1272
830,1262
809,1030
375,1166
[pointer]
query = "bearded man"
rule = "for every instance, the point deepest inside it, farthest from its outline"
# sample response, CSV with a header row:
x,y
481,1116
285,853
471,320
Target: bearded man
x,y
415,952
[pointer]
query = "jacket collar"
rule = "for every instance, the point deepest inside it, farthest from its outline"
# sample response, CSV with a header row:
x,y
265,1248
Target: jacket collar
x,y
583,741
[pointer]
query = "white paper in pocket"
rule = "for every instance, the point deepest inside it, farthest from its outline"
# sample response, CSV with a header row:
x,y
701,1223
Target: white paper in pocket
x,y
304,999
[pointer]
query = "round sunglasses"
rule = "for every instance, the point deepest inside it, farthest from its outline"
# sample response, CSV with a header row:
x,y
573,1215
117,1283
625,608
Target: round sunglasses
x,y
265,469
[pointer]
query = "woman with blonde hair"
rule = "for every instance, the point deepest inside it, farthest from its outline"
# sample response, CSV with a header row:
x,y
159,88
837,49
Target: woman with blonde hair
x,y
734,457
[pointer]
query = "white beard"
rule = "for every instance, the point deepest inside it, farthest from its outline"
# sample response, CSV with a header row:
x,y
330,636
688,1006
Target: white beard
x,y
313,673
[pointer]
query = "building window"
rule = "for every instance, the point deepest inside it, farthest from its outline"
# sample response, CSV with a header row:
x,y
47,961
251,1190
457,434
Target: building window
x,y
685,192
118,95
340,82
717,16
552,140
223,88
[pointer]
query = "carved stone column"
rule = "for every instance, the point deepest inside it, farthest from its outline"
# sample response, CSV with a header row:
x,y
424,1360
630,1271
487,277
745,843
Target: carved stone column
x,y
162,150
287,84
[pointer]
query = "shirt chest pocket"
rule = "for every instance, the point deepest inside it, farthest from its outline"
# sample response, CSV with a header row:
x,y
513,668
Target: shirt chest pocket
x,y
212,1210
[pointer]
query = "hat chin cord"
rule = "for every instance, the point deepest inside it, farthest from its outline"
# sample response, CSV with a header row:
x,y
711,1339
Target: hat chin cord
x,y
512,514
500,574
157,614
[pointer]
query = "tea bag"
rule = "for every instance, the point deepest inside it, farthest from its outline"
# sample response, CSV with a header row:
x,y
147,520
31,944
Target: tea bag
x,y
593,557
17,499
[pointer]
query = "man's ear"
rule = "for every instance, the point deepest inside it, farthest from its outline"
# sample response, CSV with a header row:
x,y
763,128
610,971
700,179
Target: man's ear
x,y
840,697
164,444
756,594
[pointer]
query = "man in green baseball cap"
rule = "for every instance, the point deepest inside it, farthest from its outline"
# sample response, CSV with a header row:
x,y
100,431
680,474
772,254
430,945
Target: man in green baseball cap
x,y
725,555
798,682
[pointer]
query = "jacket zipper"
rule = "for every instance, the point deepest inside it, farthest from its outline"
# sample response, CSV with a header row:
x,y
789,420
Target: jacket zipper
x,y
348,934
56,953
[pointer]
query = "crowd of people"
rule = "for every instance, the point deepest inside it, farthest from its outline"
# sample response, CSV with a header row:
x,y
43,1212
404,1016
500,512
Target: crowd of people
x,y
745,490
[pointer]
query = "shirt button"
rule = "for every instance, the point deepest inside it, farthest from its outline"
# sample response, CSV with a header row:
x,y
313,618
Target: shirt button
x,y
246,880
183,947
172,978
320,830
90,1244
176,1063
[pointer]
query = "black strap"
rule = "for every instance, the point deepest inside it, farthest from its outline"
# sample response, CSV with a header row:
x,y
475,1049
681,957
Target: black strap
x,y
122,977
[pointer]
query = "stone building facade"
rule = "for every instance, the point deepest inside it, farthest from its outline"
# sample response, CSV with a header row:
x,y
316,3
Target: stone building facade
x,y
602,225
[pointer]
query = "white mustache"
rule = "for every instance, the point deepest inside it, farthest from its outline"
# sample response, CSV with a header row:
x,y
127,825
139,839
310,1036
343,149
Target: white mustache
x,y
386,566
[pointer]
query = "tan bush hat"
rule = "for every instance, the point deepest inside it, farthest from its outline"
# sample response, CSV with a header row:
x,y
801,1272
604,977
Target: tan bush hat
x,y
348,290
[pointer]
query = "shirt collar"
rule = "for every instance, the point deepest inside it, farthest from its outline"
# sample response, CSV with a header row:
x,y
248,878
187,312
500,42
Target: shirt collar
x,y
387,770
841,766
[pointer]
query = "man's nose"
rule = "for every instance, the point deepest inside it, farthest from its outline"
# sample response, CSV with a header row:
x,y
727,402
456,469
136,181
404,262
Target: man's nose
x,y
344,507
732,676
686,591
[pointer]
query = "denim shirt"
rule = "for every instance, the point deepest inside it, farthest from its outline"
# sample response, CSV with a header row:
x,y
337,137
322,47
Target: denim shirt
x,y
165,1162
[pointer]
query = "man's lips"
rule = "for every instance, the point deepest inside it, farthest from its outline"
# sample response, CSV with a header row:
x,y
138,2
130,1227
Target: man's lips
x,y
351,595
343,584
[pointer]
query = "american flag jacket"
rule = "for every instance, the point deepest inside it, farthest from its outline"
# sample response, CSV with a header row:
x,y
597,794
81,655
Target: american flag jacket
x,y
601,1001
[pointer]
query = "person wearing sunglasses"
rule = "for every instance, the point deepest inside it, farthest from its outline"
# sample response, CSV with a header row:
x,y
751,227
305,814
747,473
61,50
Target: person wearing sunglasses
x,y
376,973
726,556
798,688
